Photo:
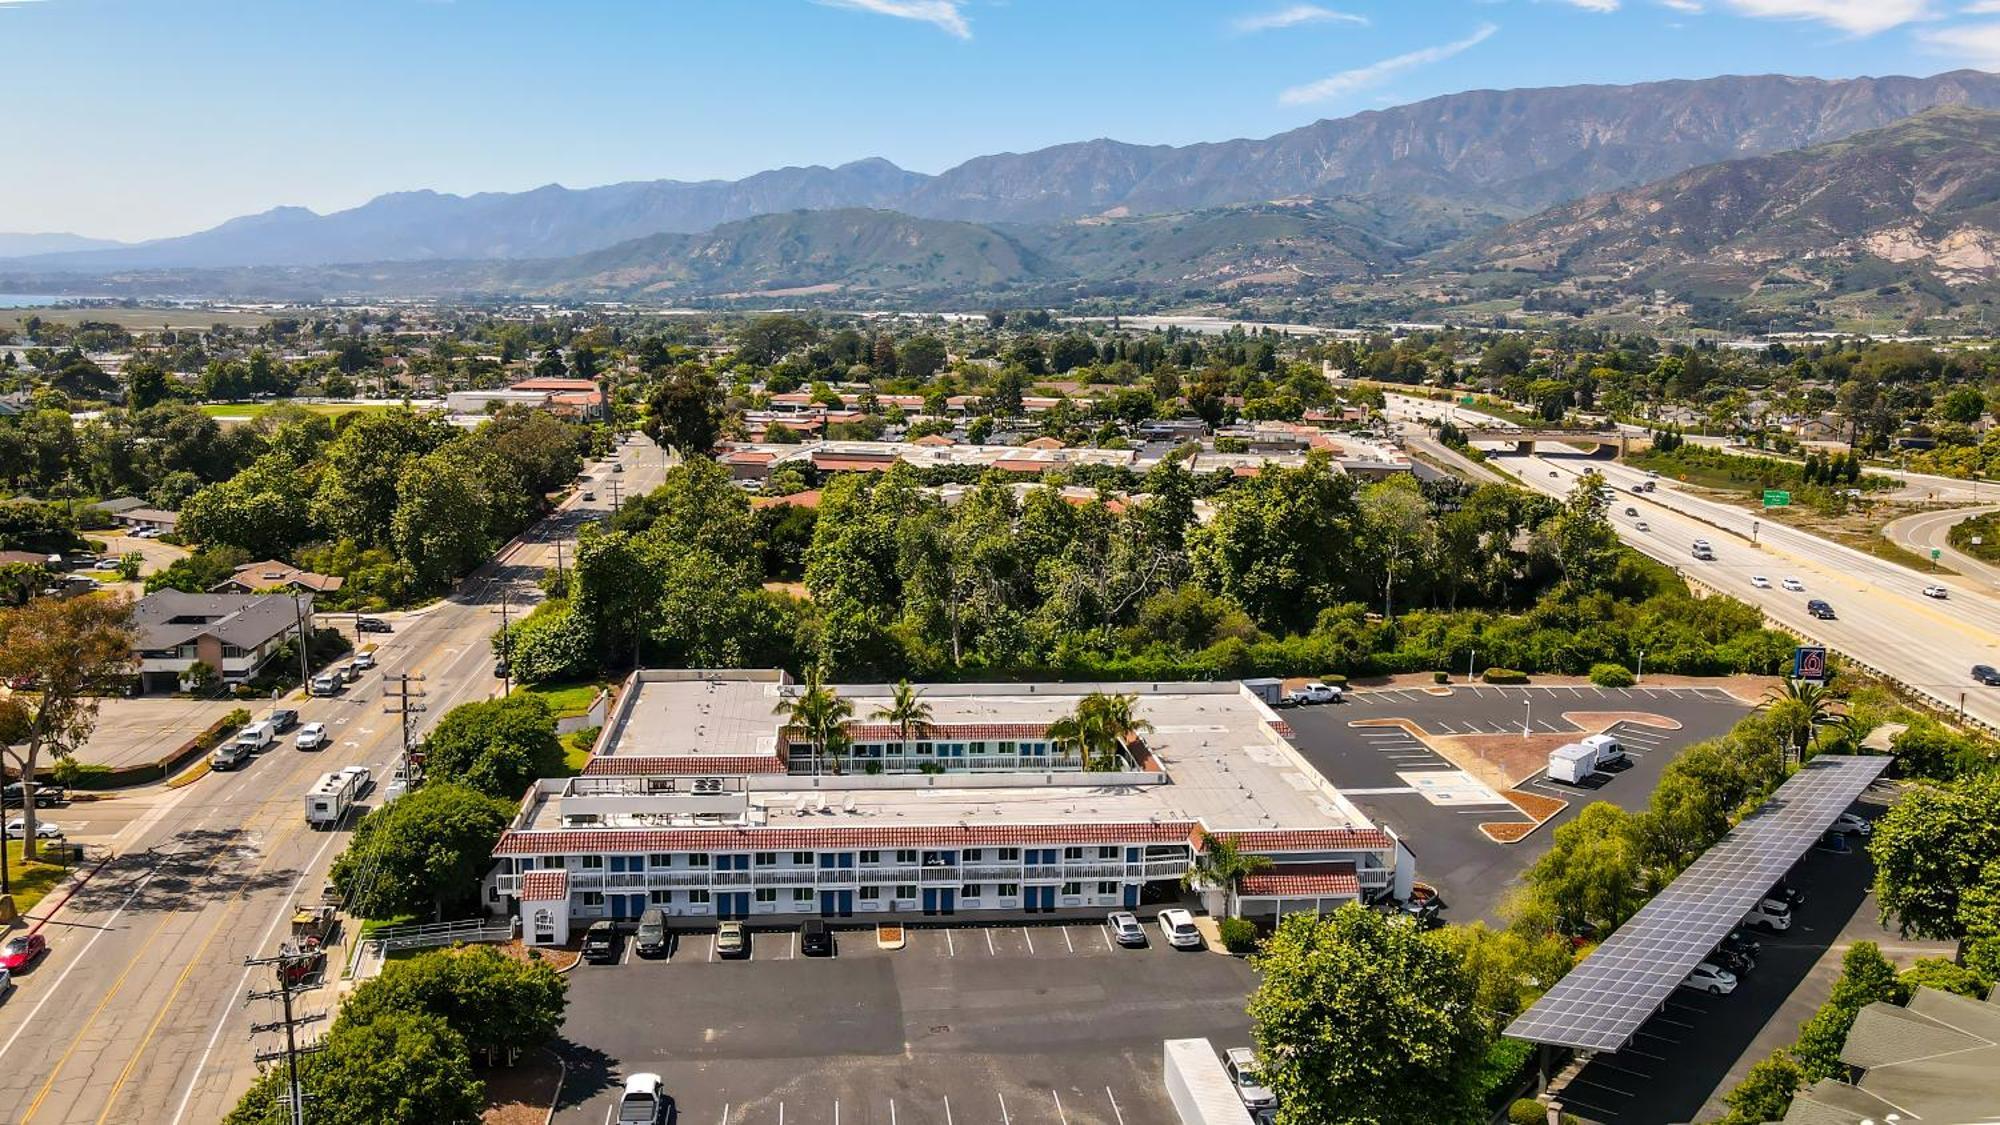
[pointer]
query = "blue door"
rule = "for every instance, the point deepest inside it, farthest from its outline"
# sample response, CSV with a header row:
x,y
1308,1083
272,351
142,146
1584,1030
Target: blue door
x,y
930,900
627,906
733,905
1040,899
947,900
1131,895
836,904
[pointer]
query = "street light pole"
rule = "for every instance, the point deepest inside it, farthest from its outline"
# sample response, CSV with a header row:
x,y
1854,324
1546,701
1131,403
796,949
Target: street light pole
x,y
1527,716
1470,659
1642,667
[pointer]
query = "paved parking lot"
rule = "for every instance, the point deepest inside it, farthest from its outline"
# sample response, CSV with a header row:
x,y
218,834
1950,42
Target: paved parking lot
x,y
137,730
1008,1025
1404,784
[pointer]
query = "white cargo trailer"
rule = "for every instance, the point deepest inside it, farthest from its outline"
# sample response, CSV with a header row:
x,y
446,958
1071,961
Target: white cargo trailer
x,y
328,801
1199,1088
1573,762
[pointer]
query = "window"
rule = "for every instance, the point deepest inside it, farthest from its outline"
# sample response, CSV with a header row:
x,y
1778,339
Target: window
x,y
974,855
871,894
1010,890
593,898
977,747
906,890
871,857
940,859
767,859
697,859
592,862
1107,888
659,859
554,861
1072,888
1108,852
767,894
659,898
235,651
802,894
1072,853
698,898
970,890
802,859
906,855
1007,854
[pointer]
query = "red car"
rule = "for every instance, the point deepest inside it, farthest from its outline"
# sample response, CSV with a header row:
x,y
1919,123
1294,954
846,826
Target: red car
x,y
22,950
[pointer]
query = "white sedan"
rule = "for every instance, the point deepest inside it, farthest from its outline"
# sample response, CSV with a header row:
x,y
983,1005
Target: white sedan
x,y
1759,581
1848,824
44,830
1794,585
1936,591
1178,926
1712,979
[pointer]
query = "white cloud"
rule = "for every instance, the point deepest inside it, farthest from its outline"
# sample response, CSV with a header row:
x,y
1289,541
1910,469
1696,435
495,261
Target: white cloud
x,y
945,14
1594,5
1689,6
1859,17
1360,78
1977,44
1981,8
1294,16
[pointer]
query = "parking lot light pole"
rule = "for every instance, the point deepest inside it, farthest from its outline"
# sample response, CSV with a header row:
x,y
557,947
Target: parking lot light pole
x,y
1642,668
1470,659
1528,715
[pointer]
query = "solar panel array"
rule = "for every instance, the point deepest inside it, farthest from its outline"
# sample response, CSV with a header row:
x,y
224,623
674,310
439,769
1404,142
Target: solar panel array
x,y
1624,981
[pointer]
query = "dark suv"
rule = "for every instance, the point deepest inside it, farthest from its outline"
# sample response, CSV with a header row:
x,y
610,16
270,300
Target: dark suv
x,y
600,943
1820,609
815,940
1986,674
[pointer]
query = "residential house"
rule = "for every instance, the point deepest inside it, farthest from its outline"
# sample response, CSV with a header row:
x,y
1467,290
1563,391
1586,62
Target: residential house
x,y
234,634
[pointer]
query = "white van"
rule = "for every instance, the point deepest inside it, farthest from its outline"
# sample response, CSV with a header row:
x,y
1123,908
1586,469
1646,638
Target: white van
x,y
1609,749
256,736
1572,762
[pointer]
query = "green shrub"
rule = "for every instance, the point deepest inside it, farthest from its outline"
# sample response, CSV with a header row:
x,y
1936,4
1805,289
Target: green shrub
x,y
1239,935
1527,1111
1334,679
1610,675
1504,676
1440,677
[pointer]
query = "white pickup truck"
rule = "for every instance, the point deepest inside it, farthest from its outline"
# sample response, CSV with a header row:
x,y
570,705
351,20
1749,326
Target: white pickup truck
x,y
1313,693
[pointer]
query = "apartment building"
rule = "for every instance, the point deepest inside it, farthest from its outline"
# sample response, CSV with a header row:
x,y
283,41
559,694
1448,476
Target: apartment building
x,y
701,801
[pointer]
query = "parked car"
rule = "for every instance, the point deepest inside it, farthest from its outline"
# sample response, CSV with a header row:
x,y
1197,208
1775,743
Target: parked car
x,y
363,661
651,938
1784,892
590,495
22,950
1740,941
1240,1063
600,943
1178,926
1985,674
47,795
1739,964
312,736
815,940
732,940
1849,824
1759,581
1125,928
1769,915
1315,693
1936,591
1711,978
372,625
327,683
617,467
644,1102
17,829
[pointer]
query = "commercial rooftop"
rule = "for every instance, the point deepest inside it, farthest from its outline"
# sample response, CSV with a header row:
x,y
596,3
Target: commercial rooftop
x,y
1215,758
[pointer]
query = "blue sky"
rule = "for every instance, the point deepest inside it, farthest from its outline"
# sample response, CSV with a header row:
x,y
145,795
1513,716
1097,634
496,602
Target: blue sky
x,y
140,118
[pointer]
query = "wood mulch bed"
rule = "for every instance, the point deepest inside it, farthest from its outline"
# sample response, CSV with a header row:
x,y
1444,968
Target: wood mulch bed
x,y
521,1094
562,959
1541,808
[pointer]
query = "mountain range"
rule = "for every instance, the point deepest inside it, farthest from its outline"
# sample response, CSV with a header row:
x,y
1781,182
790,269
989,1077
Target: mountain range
x,y
1498,154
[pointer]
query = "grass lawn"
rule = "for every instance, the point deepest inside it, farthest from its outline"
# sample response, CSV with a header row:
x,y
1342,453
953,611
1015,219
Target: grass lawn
x,y
576,749
564,699
370,925
30,881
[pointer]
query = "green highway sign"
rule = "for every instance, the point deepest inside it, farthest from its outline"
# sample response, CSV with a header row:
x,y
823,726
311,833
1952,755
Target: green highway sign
x,y
1935,553
1777,498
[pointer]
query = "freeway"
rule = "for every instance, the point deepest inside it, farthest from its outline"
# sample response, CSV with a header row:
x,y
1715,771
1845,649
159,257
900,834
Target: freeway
x,y
1931,531
139,1011
1884,619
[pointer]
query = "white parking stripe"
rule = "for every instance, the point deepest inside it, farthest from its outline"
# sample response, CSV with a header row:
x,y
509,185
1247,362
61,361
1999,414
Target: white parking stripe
x,y
1029,938
950,946
1066,941
1115,1111
1059,1108
1004,1119
989,944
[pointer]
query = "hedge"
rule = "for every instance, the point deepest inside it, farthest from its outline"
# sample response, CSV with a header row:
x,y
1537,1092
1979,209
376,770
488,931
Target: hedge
x,y
1239,935
1611,675
1503,676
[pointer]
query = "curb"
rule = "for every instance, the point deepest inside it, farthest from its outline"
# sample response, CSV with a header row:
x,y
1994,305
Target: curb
x,y
562,1076
76,883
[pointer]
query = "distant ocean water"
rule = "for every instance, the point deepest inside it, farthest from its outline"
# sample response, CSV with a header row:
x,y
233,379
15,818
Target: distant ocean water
x,y
25,301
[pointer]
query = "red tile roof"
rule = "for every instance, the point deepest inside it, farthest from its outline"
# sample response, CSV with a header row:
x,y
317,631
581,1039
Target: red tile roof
x,y
603,840
807,499
1024,465
1044,442
934,439
703,765
545,886
1309,840
851,464
555,385
748,457
1308,880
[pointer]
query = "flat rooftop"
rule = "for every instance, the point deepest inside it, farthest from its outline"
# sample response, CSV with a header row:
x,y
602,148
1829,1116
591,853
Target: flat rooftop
x,y
1217,757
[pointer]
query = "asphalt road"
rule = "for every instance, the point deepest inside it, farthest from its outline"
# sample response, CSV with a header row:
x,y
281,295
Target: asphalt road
x,y
138,1013
1001,1025
1884,619
1931,531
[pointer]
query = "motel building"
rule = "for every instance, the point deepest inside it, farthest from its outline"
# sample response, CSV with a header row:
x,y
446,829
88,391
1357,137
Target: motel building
x,y
699,801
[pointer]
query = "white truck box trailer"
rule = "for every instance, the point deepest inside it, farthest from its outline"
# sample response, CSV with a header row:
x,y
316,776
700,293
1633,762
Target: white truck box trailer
x,y
1572,762
330,798
1199,1088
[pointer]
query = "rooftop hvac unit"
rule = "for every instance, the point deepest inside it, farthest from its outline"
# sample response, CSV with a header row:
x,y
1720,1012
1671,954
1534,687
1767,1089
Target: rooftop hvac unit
x,y
707,785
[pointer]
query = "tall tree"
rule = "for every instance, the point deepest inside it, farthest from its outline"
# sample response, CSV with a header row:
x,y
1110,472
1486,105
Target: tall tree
x,y
819,713
1359,1019
685,412
1221,865
1931,848
398,1066
500,1004
906,711
72,650
423,854
498,746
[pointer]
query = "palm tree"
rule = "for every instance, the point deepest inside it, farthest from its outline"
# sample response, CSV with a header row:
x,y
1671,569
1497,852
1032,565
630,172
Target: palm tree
x,y
1222,866
1801,708
907,711
821,715
1098,728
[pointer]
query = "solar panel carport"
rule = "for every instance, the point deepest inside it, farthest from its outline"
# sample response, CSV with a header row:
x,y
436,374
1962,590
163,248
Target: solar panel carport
x,y
1624,981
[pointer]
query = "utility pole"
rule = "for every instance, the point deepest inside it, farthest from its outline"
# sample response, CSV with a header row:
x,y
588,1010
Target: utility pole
x,y
407,704
287,988
299,619
614,496
506,669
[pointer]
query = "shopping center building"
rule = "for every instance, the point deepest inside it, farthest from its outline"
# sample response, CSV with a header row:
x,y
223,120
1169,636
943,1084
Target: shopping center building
x,y
700,800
